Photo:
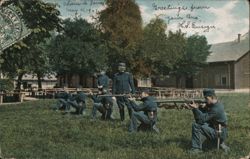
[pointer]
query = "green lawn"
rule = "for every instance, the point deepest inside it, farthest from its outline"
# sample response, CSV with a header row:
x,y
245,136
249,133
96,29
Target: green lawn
x,y
32,130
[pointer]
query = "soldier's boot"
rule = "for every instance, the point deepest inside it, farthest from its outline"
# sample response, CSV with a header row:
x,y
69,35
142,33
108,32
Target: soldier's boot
x,y
195,151
104,115
130,112
122,114
67,108
143,127
224,147
109,112
81,111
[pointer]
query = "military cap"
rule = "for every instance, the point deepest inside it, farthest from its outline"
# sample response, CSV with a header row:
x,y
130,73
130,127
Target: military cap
x,y
208,92
122,64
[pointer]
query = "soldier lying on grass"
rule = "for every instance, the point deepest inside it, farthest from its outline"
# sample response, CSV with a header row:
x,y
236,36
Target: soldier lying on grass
x,y
62,103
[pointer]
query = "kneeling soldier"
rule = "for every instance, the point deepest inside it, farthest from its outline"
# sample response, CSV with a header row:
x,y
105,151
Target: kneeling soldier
x,y
207,123
78,102
102,104
146,113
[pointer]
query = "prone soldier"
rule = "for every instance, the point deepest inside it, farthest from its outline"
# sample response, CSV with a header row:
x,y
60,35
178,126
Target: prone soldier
x,y
62,103
146,113
123,84
209,124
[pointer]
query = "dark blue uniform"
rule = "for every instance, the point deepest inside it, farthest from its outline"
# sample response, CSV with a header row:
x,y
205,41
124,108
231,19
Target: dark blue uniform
x,y
146,113
206,125
78,102
103,105
123,84
103,80
62,103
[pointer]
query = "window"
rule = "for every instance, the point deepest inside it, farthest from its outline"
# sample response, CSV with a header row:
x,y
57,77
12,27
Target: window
x,y
223,80
220,80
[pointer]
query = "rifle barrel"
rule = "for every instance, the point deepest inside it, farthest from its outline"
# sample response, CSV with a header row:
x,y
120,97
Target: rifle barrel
x,y
180,101
117,95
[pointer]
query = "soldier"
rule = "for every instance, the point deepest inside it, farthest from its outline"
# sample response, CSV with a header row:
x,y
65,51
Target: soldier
x,y
62,103
103,80
146,113
123,84
102,104
207,122
78,102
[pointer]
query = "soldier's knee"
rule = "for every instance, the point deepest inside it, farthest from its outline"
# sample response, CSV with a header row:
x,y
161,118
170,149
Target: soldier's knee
x,y
136,114
121,108
196,125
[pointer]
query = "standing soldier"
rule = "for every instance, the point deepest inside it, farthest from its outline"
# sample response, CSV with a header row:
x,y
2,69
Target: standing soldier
x,y
211,124
123,84
103,80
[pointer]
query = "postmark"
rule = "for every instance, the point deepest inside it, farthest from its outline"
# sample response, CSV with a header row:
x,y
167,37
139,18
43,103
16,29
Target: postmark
x,y
12,28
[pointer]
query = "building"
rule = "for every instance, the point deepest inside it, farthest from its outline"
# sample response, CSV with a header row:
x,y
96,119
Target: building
x,y
30,81
228,66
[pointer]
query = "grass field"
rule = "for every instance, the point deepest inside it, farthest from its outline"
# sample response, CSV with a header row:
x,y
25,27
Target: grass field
x,y
33,131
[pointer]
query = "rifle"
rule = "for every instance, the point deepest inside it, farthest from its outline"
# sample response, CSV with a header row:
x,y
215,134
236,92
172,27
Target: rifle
x,y
179,103
119,95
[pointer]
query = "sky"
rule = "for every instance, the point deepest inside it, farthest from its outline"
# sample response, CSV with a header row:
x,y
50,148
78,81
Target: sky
x,y
219,20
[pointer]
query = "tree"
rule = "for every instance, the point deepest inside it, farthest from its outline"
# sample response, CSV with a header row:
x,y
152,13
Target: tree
x,y
41,18
194,58
79,49
154,47
121,24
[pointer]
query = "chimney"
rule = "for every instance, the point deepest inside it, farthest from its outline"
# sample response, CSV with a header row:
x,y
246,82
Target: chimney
x,y
239,37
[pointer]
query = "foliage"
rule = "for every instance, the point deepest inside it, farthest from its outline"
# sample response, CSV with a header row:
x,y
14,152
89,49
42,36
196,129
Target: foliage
x,y
78,49
6,85
19,58
121,24
33,130
195,56
154,46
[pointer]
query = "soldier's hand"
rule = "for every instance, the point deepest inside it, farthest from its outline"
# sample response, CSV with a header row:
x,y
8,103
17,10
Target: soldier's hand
x,y
100,87
90,91
185,105
131,99
193,105
114,98
203,105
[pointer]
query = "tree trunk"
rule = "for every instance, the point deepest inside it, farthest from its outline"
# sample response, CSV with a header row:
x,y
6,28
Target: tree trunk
x,y
189,82
19,82
177,81
39,81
